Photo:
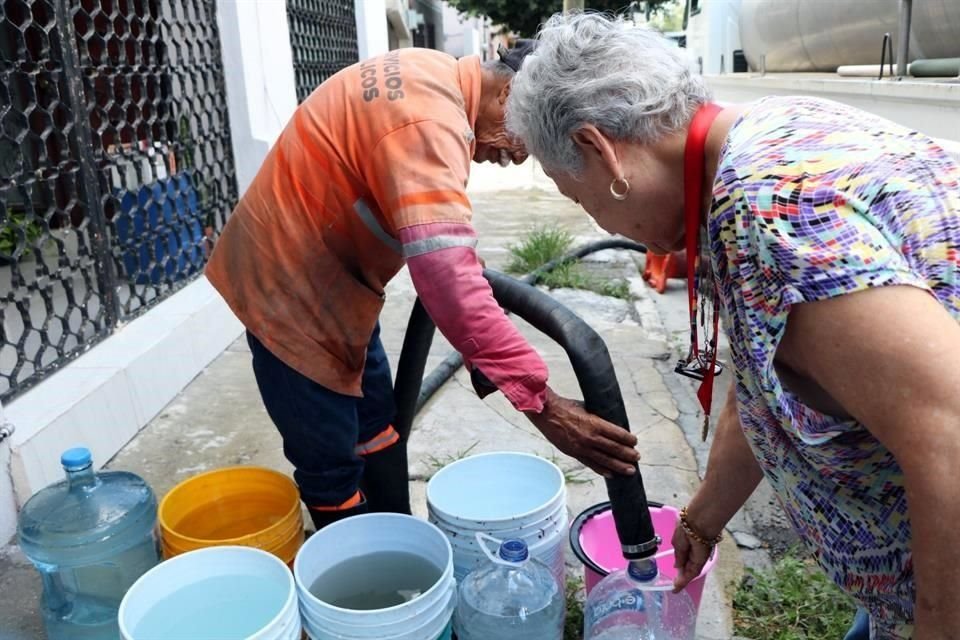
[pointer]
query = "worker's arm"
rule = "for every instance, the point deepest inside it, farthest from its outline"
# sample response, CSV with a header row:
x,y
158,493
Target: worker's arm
x,y
418,175
449,280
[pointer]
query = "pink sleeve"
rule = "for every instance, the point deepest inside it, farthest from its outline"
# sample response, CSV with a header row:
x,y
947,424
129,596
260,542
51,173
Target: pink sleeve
x,y
449,280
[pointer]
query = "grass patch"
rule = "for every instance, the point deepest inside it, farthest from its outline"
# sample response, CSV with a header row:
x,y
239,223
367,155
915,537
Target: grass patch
x,y
573,624
792,600
572,276
540,246
439,462
616,289
544,244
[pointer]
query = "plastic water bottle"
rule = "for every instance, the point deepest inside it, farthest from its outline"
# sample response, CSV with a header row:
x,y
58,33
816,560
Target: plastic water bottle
x,y
90,537
636,604
515,597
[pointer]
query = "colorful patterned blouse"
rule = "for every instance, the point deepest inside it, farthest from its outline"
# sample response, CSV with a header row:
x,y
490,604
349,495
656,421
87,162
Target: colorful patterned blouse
x,y
814,199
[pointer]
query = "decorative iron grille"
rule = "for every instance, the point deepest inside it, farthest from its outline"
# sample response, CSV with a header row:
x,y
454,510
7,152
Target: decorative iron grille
x,y
116,169
323,37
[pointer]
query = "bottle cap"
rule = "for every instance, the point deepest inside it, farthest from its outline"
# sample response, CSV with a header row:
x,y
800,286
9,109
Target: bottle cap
x,y
514,551
76,459
642,570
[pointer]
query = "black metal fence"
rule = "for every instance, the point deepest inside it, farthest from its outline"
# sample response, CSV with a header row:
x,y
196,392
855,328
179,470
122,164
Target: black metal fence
x,y
116,169
323,36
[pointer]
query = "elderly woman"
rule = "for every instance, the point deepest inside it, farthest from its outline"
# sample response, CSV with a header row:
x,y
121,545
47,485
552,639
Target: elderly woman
x,y
829,240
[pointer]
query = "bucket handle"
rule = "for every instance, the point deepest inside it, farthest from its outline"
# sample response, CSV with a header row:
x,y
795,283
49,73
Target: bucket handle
x,y
483,539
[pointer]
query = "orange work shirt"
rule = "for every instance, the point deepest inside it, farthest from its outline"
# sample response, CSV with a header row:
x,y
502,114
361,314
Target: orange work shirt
x,y
304,258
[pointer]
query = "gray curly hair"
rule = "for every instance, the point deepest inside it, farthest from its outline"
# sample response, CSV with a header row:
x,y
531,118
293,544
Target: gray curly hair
x,y
588,68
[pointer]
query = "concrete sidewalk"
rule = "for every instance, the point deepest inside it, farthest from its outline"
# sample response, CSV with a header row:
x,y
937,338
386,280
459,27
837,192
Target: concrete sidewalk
x,y
219,420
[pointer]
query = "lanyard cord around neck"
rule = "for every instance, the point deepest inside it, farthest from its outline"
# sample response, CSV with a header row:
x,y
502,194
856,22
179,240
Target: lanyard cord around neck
x,y
693,169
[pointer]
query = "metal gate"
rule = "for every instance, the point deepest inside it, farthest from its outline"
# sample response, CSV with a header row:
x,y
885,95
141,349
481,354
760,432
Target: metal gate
x,y
323,37
116,169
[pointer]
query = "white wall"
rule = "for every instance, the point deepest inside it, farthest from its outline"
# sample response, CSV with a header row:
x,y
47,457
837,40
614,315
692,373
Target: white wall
x,y
258,68
372,37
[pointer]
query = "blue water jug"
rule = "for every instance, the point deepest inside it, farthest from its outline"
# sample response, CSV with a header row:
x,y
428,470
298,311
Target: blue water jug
x,y
90,537
637,603
515,597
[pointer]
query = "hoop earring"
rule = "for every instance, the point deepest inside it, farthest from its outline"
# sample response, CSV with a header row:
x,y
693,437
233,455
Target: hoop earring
x,y
619,195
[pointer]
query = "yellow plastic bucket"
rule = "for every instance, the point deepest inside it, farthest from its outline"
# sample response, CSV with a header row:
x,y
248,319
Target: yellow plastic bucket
x,y
246,506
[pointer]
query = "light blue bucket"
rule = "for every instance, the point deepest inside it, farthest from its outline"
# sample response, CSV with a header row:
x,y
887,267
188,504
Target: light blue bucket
x,y
425,617
506,495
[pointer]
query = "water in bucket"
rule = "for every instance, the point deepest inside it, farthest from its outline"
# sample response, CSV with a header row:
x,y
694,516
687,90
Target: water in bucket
x,y
215,593
515,597
376,581
91,537
638,604
252,603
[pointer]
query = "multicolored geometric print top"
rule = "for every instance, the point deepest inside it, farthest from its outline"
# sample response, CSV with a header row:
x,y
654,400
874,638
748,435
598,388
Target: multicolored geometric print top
x,y
814,199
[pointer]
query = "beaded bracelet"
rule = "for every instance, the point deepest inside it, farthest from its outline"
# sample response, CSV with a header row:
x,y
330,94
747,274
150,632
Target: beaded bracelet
x,y
707,542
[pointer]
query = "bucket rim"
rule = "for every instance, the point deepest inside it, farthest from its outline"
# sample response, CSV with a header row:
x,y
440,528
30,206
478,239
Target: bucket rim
x,y
167,530
508,527
585,516
558,496
304,591
165,565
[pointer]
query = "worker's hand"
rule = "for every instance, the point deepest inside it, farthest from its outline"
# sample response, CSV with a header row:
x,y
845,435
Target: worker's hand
x,y
604,447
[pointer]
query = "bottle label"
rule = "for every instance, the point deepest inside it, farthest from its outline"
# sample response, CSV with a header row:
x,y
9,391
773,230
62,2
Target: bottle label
x,y
626,602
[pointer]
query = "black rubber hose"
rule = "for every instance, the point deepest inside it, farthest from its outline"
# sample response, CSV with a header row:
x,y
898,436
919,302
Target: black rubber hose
x,y
409,393
413,361
601,396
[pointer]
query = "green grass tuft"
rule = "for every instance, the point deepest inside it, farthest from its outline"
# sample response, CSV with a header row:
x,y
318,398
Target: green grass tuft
x,y
540,246
544,244
573,624
792,600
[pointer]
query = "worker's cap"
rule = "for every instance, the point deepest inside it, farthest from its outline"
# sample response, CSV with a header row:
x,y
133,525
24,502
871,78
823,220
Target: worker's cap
x,y
513,57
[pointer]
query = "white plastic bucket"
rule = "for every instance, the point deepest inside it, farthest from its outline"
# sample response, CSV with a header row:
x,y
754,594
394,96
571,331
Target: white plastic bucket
x,y
212,593
426,617
504,495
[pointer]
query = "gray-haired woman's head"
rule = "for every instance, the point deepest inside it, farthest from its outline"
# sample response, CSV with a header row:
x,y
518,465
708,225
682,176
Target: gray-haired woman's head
x,y
630,82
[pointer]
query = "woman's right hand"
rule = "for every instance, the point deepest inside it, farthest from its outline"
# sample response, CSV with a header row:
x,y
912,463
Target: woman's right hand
x,y
690,557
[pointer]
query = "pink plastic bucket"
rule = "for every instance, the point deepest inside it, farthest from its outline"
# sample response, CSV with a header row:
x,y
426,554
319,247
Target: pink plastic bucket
x,y
593,537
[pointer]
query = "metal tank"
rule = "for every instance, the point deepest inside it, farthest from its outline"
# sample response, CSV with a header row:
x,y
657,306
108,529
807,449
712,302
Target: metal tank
x,y
821,35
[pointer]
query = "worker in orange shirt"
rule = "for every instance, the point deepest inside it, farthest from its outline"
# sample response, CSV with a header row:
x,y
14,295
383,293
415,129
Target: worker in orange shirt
x,y
369,175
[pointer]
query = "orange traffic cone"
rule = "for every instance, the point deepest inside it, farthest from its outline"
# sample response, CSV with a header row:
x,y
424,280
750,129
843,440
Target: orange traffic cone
x,y
660,268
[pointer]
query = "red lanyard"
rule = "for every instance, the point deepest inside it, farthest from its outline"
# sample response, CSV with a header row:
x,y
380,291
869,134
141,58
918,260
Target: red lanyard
x,y
699,364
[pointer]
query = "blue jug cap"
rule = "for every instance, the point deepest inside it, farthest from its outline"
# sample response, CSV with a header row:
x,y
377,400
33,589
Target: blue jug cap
x,y
514,551
76,459
643,570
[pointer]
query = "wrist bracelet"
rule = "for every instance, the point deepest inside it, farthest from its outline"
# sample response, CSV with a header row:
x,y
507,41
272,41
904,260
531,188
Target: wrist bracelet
x,y
707,542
